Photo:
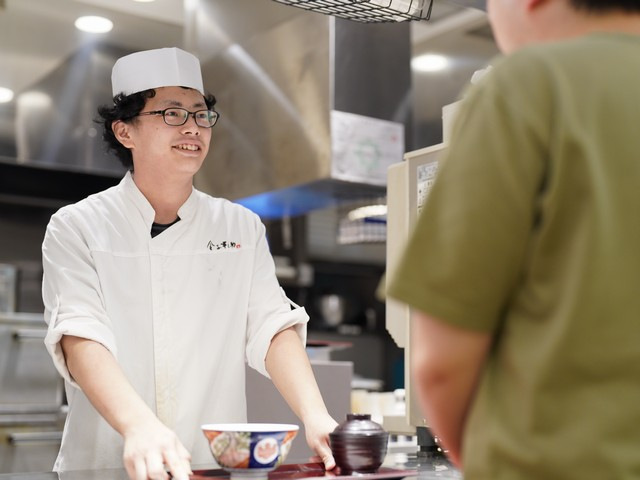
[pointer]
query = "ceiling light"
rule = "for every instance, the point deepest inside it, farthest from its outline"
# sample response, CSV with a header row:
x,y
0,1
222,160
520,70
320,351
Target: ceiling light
x,y
93,24
6,95
430,63
144,1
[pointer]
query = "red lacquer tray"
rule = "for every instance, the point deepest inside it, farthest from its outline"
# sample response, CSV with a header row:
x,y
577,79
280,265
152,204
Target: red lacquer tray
x,y
297,471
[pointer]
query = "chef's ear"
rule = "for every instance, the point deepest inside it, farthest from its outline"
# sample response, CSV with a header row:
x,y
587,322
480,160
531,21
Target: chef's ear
x,y
122,133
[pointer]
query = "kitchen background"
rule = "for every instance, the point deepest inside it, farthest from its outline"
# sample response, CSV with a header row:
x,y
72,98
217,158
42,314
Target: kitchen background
x,y
279,73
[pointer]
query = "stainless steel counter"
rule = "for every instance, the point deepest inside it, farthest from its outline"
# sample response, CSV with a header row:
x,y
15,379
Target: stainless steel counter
x,y
409,468
80,474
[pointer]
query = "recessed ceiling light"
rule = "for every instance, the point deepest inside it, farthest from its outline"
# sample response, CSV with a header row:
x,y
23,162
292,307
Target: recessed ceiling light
x,y
144,1
6,95
93,24
429,63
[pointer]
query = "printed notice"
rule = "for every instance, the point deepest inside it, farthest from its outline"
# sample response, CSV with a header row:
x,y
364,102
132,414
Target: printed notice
x,y
364,147
426,175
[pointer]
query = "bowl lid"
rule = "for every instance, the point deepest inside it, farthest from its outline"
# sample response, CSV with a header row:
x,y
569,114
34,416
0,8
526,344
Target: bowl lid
x,y
359,424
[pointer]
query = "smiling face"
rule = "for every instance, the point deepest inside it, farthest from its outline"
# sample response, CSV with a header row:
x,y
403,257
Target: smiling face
x,y
164,151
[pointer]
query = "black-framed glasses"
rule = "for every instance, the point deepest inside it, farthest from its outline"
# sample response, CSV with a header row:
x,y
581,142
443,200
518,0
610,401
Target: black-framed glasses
x,y
178,116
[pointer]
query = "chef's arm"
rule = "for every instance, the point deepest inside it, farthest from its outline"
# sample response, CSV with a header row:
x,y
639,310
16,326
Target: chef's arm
x,y
148,444
446,363
291,373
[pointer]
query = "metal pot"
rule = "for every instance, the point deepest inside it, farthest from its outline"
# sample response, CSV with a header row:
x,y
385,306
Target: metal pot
x,y
333,309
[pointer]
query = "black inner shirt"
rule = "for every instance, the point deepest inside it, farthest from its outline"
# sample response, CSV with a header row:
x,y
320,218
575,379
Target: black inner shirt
x,y
158,228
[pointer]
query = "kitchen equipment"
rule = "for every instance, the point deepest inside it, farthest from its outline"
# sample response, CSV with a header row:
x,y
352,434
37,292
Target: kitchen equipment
x,y
409,183
8,287
333,309
32,410
359,445
250,449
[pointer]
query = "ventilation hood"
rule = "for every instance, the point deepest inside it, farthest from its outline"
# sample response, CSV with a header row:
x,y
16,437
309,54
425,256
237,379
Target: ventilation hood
x,y
310,104
51,123
51,150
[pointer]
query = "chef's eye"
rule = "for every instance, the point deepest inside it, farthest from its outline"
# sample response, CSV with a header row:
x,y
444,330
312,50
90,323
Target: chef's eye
x,y
175,113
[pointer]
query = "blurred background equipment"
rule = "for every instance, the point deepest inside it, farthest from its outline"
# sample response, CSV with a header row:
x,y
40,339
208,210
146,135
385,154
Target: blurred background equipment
x,y
368,11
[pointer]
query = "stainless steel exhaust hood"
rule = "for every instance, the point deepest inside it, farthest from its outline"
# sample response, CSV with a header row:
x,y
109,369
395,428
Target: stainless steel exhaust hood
x,y
51,123
282,77
51,150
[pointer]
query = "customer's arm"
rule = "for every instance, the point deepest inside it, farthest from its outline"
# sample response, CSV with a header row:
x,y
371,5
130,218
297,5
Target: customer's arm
x,y
290,371
446,363
148,444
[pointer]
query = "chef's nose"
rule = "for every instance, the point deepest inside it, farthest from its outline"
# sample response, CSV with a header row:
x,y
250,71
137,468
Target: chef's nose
x,y
190,126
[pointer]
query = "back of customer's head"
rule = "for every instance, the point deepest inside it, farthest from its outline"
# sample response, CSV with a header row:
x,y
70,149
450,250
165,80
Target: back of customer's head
x,y
631,6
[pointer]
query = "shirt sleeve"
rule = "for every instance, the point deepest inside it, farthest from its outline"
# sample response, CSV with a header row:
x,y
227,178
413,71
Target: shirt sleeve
x,y
270,311
467,252
71,291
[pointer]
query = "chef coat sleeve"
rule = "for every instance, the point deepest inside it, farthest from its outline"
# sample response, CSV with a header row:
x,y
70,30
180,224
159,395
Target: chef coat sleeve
x,y
270,311
71,291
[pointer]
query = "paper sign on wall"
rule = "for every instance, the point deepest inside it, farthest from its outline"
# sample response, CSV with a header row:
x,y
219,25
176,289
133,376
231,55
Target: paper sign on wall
x,y
364,147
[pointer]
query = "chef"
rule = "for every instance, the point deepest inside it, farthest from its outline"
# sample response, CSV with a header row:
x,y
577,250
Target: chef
x,y
156,295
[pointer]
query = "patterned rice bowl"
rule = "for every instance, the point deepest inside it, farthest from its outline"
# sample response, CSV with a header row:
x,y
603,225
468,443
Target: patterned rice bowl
x,y
249,449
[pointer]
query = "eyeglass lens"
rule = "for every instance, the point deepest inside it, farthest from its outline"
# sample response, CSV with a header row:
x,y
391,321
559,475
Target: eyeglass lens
x,y
179,116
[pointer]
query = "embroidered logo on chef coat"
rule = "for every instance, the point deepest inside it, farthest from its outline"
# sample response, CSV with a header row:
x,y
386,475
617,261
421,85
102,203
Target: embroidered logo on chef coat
x,y
222,245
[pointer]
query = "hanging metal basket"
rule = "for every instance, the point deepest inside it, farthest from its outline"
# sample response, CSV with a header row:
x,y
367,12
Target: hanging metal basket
x,y
368,11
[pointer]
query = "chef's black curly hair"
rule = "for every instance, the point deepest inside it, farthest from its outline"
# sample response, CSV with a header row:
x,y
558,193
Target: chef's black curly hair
x,y
126,108
630,6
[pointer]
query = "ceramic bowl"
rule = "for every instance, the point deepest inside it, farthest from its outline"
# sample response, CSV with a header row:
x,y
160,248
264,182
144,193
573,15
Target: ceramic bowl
x,y
249,449
359,445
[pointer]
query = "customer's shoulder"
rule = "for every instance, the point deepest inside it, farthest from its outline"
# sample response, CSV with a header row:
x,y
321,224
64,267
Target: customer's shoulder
x,y
535,68
547,58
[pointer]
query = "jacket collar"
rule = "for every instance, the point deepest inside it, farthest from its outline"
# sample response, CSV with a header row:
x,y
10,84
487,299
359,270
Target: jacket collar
x,y
131,190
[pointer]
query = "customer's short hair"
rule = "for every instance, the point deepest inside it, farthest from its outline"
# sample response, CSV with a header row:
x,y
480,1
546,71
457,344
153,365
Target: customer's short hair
x,y
631,6
126,108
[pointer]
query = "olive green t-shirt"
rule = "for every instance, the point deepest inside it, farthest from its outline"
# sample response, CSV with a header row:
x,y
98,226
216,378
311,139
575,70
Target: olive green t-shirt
x,y
532,232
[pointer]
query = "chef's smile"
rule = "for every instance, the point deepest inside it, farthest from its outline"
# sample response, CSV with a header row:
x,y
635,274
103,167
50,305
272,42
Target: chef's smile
x,y
188,147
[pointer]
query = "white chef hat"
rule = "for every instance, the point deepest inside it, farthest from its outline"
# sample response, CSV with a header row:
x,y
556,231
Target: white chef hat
x,y
163,67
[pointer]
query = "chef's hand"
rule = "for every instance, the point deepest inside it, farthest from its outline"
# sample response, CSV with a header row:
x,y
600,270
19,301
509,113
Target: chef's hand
x,y
317,429
151,450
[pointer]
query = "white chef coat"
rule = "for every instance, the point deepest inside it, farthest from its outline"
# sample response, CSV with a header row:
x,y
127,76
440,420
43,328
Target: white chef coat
x,y
181,312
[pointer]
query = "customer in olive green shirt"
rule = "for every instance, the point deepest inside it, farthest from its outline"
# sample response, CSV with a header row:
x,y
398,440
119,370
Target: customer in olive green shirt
x,y
524,268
